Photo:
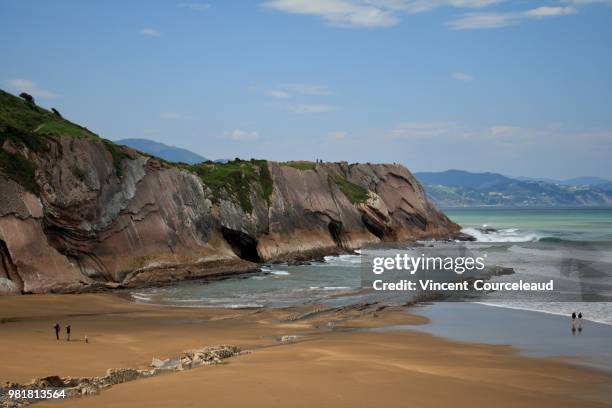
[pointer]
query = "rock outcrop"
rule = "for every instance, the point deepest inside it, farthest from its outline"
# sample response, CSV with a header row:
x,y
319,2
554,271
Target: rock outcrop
x,y
80,213
69,387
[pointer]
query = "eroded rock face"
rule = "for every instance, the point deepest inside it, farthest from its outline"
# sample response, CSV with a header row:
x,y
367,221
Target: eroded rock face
x,y
102,222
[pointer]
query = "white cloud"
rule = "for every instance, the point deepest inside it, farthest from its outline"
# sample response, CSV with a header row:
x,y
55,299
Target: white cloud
x,y
446,132
342,13
503,130
462,76
173,116
367,13
150,32
472,21
242,135
387,13
550,11
587,2
339,135
420,6
25,85
307,89
285,91
310,108
275,93
196,6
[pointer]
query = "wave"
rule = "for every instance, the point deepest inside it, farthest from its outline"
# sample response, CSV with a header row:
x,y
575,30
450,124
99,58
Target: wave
x,y
501,235
343,259
597,316
329,288
140,296
280,273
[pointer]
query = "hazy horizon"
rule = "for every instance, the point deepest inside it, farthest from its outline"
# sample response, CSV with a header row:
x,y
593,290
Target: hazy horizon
x,y
511,87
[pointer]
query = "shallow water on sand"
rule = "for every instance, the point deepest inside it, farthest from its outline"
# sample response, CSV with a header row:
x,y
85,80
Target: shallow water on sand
x,y
534,334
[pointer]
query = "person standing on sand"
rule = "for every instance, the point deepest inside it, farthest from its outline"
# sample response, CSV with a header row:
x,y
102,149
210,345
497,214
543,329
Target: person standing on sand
x,y
68,333
57,330
574,321
580,321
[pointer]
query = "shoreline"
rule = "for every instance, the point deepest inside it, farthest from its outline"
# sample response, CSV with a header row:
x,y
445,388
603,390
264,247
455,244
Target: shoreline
x,y
532,334
546,312
314,348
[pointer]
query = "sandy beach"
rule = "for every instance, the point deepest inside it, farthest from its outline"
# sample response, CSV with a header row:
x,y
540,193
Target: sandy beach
x,y
332,362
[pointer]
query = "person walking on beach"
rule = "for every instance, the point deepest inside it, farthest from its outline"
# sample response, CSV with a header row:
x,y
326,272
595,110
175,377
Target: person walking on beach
x,y
57,330
68,333
573,321
580,321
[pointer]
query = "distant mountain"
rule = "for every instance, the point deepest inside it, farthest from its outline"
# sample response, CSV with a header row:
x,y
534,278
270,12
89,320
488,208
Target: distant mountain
x,y
169,153
460,178
578,181
457,188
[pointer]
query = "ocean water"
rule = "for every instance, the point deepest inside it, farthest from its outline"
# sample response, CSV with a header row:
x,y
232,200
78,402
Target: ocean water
x,y
574,243
278,285
574,246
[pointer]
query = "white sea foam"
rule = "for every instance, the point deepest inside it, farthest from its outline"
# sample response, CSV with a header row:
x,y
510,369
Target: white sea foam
x,y
343,260
244,306
141,296
598,312
501,235
280,273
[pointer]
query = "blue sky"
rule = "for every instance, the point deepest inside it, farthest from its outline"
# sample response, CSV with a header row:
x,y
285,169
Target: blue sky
x,y
516,87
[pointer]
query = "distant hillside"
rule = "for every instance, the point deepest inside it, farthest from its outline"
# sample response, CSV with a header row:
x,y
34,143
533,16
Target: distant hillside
x,y
457,188
578,181
460,178
169,153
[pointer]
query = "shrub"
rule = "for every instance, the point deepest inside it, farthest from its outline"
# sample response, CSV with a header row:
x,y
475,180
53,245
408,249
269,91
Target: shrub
x,y
27,97
19,169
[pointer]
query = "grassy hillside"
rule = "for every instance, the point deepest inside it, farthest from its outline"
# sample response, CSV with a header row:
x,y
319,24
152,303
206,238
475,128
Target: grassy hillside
x,y
33,120
31,126
237,177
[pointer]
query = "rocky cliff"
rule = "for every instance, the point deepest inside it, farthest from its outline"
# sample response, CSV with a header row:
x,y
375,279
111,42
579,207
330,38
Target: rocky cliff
x,y
78,212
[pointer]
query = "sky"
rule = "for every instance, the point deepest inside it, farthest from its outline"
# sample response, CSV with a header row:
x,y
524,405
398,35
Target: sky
x,y
522,88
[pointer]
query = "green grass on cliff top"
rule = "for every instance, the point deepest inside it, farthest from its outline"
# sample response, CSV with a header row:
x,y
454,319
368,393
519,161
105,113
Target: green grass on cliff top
x,y
29,125
300,165
19,114
355,193
238,178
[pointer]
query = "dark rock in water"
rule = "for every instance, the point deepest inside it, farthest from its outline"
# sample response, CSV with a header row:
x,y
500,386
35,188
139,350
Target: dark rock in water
x,y
500,270
487,230
462,236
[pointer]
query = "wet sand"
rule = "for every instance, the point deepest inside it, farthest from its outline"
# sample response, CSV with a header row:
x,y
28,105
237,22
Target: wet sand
x,y
332,363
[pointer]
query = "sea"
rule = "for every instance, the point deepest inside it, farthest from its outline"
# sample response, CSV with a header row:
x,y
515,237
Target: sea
x,y
572,245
